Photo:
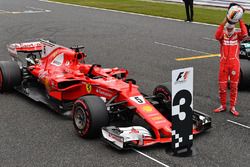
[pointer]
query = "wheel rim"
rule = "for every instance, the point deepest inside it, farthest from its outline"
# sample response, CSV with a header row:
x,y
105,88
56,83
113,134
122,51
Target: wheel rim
x,y
164,97
1,80
80,118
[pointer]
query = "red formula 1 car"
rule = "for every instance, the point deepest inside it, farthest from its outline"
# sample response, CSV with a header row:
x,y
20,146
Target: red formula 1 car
x,y
60,78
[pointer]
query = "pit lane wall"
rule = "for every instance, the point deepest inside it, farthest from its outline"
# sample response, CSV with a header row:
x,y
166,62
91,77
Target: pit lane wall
x,y
216,3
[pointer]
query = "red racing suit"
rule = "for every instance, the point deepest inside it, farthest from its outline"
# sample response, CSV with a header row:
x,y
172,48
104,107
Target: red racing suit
x,y
229,62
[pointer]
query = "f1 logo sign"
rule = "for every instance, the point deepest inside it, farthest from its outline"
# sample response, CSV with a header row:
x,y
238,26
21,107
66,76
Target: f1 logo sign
x,y
183,75
182,109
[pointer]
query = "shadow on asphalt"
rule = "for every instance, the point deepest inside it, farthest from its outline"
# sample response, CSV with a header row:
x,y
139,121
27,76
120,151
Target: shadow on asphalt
x,y
37,104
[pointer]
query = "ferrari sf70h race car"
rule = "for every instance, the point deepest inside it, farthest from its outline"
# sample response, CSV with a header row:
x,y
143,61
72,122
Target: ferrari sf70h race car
x,y
59,77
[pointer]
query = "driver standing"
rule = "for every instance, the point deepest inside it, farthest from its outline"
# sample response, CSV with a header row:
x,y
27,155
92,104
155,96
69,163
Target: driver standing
x,y
229,62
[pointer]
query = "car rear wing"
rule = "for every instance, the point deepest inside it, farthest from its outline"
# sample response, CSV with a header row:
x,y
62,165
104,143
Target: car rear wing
x,y
25,47
43,46
40,47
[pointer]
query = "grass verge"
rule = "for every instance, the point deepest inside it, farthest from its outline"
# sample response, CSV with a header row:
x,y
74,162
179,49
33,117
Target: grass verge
x,y
169,10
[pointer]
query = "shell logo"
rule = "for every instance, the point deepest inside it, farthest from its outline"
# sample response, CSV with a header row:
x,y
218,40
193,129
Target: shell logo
x,y
157,118
147,109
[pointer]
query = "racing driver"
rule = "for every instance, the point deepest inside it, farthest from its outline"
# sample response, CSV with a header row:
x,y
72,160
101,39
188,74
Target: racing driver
x,y
229,39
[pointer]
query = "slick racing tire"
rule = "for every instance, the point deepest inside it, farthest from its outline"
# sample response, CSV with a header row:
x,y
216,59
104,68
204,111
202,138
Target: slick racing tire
x,y
89,116
10,75
163,93
244,80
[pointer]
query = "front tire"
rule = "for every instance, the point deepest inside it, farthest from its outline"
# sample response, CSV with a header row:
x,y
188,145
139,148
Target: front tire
x,y
163,93
89,116
10,75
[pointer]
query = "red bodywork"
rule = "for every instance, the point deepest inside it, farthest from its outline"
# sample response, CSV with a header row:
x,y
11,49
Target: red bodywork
x,y
65,76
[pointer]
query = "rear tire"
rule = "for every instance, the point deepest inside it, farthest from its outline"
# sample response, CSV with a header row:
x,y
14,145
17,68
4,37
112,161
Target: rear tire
x,y
89,116
244,80
10,75
241,85
163,93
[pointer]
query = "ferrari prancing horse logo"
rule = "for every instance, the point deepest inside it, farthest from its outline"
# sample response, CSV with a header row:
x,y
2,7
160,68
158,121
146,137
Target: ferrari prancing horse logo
x,y
88,88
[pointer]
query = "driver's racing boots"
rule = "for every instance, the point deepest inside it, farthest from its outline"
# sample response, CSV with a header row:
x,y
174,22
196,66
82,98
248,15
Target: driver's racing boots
x,y
234,112
220,109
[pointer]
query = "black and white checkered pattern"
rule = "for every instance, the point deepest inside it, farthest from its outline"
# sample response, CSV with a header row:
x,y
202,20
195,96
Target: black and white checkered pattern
x,y
180,139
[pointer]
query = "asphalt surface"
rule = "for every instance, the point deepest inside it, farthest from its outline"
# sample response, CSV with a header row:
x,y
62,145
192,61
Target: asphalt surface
x,y
32,135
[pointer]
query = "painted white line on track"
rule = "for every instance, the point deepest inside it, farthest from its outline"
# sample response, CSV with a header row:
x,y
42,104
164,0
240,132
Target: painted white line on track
x,y
145,155
209,39
24,12
130,13
236,123
32,10
3,11
39,9
182,48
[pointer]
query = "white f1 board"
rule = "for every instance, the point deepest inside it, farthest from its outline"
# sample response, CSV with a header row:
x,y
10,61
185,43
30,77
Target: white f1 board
x,y
182,108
